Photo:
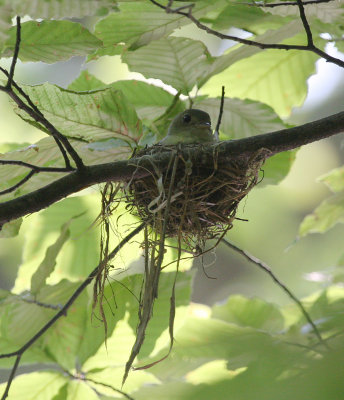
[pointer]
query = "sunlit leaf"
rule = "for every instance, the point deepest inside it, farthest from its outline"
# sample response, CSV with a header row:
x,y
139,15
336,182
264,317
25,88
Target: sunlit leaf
x,y
51,41
59,8
46,153
325,216
78,390
177,61
86,82
36,386
327,12
277,78
86,116
47,266
138,24
242,118
250,312
80,253
5,22
11,228
276,168
334,179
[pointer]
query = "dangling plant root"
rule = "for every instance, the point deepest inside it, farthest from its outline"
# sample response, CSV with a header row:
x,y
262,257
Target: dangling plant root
x,y
204,198
188,201
108,194
154,257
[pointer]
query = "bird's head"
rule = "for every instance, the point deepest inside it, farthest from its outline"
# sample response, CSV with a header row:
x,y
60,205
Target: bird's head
x,y
191,121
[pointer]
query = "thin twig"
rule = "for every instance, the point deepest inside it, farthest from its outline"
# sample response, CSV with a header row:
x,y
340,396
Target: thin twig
x,y
50,128
82,377
15,54
262,4
37,110
217,129
32,110
36,168
40,304
267,269
63,311
305,23
20,183
248,42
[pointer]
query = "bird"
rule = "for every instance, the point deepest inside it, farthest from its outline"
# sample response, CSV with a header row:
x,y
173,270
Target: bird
x,y
189,127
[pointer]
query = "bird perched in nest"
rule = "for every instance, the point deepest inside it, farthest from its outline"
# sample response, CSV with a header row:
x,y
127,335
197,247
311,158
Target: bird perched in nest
x,y
190,126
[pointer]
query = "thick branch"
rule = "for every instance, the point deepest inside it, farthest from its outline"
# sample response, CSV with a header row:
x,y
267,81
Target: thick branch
x,y
275,142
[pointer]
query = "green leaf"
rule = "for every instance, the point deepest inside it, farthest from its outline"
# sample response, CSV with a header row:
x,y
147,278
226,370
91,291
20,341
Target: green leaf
x,y
59,8
7,147
35,386
86,82
250,312
277,167
87,116
177,61
63,340
242,118
334,179
325,216
202,340
123,297
80,253
150,101
243,52
46,153
326,12
52,41
247,17
21,320
38,279
5,22
78,390
139,23
317,379
277,78
11,229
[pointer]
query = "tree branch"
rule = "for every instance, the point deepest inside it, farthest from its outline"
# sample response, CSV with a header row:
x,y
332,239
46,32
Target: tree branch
x,y
275,142
33,111
268,270
200,25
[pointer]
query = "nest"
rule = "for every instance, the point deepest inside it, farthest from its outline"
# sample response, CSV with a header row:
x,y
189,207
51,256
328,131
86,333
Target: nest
x,y
202,199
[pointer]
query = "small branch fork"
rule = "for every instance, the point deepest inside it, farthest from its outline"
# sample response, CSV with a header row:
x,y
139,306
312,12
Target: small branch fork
x,y
63,311
309,47
32,110
267,269
34,170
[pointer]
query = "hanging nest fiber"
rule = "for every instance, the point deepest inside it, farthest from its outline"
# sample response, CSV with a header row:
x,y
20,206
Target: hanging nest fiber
x,y
202,197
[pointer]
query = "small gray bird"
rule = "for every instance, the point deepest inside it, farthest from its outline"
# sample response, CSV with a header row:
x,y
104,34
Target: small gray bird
x,y
190,126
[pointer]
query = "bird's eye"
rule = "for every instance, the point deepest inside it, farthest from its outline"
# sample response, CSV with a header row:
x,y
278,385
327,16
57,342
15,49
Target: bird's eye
x,y
187,118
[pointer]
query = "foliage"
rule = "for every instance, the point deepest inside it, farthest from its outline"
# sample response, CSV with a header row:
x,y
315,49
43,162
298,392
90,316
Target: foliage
x,y
246,348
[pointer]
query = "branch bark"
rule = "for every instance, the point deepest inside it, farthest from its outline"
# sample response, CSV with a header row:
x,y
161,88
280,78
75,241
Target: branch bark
x,y
275,142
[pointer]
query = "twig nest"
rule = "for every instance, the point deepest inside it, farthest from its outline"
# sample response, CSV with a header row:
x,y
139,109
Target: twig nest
x,y
202,199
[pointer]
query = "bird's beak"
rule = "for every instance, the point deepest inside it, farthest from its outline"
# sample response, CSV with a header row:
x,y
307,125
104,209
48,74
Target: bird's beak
x,y
204,125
